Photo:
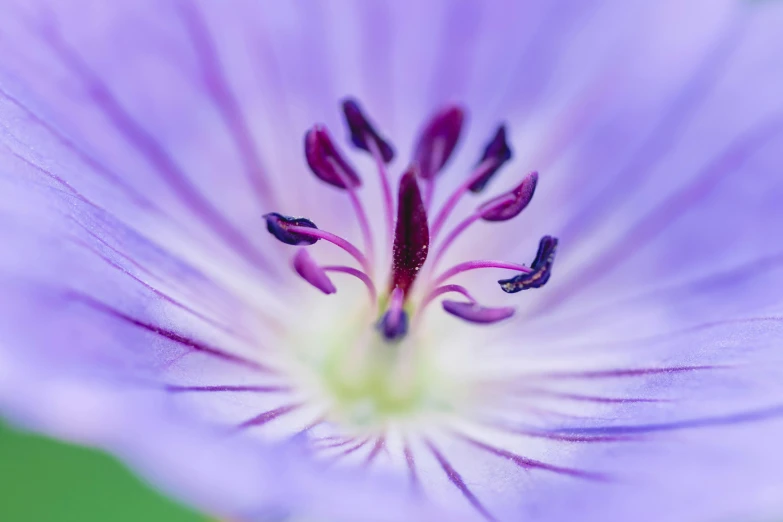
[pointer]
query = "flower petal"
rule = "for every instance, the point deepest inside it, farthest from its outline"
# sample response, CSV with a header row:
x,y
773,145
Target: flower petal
x,y
129,176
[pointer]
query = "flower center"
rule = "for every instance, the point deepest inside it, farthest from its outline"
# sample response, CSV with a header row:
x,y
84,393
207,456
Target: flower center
x,y
381,368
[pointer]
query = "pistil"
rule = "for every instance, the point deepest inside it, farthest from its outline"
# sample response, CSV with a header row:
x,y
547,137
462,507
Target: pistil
x,y
411,235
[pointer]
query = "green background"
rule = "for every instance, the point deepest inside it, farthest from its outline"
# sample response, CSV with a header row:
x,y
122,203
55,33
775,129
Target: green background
x,y
42,480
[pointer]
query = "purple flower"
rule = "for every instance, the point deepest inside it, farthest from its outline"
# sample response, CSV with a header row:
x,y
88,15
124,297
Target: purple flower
x,y
225,228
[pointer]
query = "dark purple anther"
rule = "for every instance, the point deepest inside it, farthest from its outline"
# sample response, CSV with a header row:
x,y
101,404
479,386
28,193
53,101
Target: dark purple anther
x,y
438,140
498,152
311,272
542,269
510,204
475,313
325,160
394,323
277,225
362,131
411,236
393,327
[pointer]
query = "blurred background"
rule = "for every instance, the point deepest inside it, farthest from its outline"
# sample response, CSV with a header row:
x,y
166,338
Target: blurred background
x,y
42,480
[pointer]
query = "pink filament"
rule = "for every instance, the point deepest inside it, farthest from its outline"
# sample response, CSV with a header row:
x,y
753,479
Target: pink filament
x,y
388,198
445,289
364,223
438,149
335,240
364,278
458,230
361,214
395,305
473,265
448,207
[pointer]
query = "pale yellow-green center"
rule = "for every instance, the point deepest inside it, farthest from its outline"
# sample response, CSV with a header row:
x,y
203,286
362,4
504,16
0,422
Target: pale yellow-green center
x,y
367,382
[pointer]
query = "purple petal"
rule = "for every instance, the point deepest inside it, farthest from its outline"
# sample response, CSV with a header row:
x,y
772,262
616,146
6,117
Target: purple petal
x,y
665,190
188,459
312,272
475,313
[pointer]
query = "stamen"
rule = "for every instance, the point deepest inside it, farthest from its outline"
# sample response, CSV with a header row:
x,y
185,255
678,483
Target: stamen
x,y
280,226
394,323
509,205
411,236
502,208
448,207
365,137
364,278
453,235
499,152
471,311
326,162
388,198
363,134
335,240
444,290
438,140
495,155
474,265
475,313
541,269
301,231
311,272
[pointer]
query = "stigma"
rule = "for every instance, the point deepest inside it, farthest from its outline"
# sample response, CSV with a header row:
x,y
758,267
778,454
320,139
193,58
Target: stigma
x,y
410,230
